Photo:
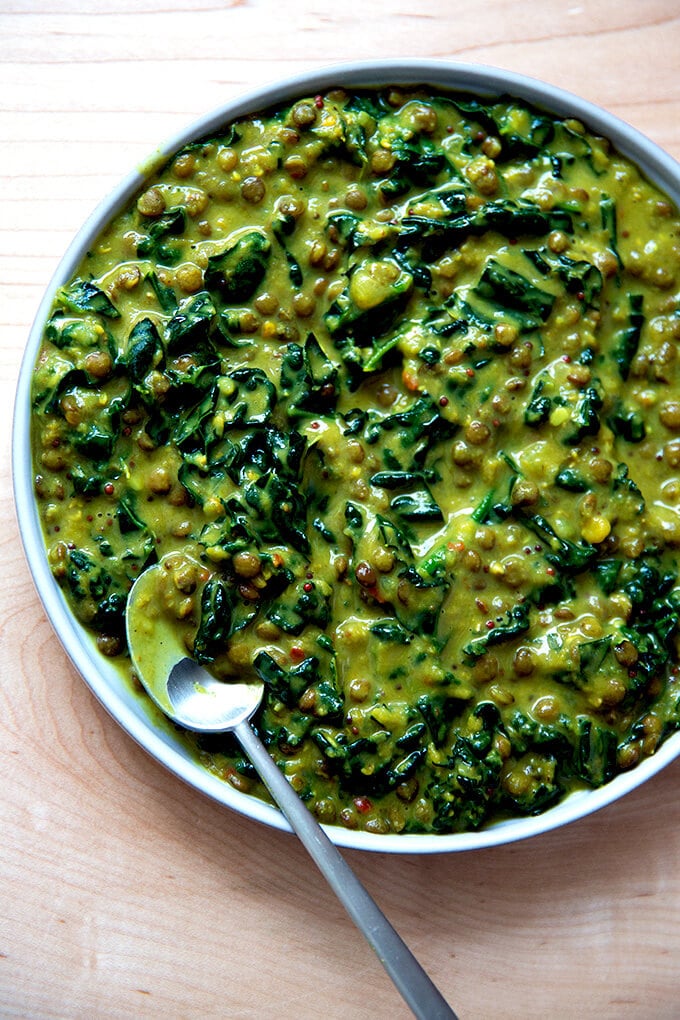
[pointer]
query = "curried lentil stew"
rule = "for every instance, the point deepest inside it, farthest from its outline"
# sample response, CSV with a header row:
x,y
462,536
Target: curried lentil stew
x,y
393,377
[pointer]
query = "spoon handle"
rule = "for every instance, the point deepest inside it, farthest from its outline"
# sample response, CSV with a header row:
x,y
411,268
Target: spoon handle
x,y
422,996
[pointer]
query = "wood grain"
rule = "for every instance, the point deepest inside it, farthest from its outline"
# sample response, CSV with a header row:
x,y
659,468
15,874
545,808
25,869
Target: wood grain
x,y
122,892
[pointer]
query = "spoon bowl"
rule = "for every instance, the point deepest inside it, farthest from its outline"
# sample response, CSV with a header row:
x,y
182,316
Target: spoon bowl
x,y
206,705
181,688
196,700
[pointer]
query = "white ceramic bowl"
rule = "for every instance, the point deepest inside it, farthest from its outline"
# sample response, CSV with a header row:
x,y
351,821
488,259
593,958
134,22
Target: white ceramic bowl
x,y
103,679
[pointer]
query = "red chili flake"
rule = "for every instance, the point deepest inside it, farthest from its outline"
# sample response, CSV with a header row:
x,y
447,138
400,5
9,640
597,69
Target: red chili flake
x,y
480,136
469,372
108,489
318,102
57,528
481,606
566,359
309,575
496,423
355,730
537,548
550,571
580,295
512,240
457,546
308,586
632,673
362,804
297,653
489,625
315,425
127,431
90,518
449,129
443,401
527,550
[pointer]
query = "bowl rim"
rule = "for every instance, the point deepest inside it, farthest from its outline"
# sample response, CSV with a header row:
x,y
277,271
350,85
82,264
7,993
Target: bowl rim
x,y
103,679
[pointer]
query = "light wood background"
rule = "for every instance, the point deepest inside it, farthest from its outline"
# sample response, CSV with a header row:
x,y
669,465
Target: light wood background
x,y
125,894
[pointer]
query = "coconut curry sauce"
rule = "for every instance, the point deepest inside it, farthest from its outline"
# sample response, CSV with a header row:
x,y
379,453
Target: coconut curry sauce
x,y
395,375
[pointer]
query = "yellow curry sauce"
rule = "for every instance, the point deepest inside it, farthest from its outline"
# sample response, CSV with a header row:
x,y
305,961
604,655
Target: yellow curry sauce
x,y
395,375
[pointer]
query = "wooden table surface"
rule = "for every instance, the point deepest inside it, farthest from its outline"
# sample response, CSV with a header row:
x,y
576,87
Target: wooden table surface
x,y
122,892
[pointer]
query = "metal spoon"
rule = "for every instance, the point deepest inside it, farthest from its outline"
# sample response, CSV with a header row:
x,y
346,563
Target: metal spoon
x,y
194,699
